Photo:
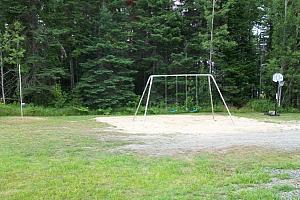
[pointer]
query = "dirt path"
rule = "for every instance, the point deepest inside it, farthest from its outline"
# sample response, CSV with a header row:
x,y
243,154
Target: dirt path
x,y
182,134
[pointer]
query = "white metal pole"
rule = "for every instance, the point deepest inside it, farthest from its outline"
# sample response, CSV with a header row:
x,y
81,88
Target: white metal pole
x,y
224,102
148,97
20,86
142,97
186,94
2,76
211,98
212,36
180,75
285,18
279,94
197,103
166,93
210,58
176,91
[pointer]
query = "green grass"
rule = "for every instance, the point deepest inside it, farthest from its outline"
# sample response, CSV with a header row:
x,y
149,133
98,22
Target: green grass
x,y
64,158
260,116
284,188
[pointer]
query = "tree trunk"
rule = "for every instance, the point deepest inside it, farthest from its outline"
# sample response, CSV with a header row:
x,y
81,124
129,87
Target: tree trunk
x,y
72,77
2,77
185,49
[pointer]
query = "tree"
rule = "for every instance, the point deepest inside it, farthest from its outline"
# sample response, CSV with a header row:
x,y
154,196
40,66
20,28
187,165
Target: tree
x,y
241,66
107,79
285,52
14,52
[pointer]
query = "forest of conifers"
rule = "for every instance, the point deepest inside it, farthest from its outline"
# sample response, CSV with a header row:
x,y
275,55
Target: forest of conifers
x,y
99,53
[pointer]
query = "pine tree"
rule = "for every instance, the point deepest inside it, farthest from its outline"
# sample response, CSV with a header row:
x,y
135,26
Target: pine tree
x,y
285,52
12,47
241,71
107,79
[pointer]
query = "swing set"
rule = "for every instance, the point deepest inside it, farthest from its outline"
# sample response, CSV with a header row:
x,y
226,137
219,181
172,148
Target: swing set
x,y
149,86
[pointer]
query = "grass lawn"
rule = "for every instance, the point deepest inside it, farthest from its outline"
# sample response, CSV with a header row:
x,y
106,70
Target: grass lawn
x,y
260,116
63,158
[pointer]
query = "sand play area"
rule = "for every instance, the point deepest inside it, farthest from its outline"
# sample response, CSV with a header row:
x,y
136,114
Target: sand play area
x,y
176,134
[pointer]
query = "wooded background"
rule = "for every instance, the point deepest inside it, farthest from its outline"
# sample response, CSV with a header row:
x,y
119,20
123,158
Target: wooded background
x,y
99,53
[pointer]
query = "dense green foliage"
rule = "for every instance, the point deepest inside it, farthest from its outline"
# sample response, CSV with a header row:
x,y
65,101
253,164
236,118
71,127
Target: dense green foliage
x,y
99,54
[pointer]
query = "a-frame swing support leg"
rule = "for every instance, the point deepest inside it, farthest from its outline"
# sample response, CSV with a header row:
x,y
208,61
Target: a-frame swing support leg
x,y
220,93
142,97
211,97
148,97
186,94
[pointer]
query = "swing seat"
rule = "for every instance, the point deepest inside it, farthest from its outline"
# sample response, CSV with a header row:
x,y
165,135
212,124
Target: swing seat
x,y
194,110
173,110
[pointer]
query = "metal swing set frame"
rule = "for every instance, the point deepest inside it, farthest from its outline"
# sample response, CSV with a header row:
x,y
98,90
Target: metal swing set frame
x,y
149,85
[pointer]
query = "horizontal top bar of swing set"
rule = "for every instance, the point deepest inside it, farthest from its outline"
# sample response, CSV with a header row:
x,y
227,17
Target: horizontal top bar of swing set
x,y
181,75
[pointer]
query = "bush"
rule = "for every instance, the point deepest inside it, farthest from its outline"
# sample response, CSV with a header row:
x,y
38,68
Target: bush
x,y
9,110
106,111
262,105
31,110
290,109
59,97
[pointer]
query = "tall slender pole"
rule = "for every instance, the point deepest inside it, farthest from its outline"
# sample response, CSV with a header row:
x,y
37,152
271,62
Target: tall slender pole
x,y
284,33
210,58
212,37
20,87
2,76
186,93
166,93
148,97
211,98
285,18
20,83
176,91
224,102
142,97
197,102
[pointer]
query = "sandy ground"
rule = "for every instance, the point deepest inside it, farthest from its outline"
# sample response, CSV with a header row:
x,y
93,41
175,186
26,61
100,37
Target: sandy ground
x,y
182,134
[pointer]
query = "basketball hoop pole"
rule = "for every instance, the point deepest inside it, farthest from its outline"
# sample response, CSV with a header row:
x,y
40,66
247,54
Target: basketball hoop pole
x,y
279,83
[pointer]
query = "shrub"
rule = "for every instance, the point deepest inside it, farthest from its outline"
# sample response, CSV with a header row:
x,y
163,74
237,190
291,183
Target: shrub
x,y
59,97
31,110
8,110
262,105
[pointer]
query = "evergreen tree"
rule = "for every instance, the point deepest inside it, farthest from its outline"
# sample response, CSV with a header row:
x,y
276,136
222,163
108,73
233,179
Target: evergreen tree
x,y
241,71
107,80
13,51
285,51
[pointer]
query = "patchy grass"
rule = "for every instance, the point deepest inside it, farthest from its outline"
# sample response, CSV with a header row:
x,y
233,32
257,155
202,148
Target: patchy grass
x,y
284,188
282,176
284,117
63,158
